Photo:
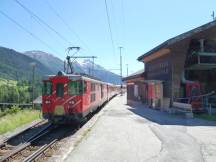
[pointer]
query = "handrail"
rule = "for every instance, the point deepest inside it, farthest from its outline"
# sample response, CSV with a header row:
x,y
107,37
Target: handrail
x,y
24,104
199,96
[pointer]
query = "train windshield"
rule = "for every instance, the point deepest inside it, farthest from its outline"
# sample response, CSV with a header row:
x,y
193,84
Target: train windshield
x,y
75,88
59,89
47,88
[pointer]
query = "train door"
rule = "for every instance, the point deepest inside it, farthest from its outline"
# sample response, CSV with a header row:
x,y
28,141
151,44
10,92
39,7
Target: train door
x,y
85,94
60,90
107,92
47,97
59,95
101,87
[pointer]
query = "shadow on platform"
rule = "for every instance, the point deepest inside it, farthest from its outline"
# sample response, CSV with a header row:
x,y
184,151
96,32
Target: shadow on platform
x,y
164,118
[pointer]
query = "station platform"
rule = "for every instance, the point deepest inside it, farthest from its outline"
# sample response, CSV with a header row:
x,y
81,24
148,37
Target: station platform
x,y
136,133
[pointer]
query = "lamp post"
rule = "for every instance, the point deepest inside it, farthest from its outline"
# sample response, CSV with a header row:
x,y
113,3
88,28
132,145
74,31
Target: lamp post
x,y
33,82
127,69
120,48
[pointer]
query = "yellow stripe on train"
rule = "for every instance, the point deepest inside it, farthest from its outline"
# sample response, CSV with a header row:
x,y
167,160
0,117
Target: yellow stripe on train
x,y
59,110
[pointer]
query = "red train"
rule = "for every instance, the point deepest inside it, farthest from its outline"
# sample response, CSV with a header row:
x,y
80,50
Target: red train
x,y
71,97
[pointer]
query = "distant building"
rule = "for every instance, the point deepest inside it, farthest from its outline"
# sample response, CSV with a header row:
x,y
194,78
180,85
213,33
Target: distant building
x,y
181,67
38,100
134,84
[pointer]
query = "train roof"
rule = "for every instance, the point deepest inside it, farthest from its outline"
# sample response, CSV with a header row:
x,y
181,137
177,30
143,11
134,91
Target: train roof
x,y
78,77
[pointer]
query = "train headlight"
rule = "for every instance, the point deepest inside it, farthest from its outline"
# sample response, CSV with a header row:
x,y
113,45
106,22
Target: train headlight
x,y
47,102
71,102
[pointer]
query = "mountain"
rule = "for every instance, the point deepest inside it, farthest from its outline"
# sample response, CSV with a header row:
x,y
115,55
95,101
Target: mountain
x,y
15,65
55,64
100,72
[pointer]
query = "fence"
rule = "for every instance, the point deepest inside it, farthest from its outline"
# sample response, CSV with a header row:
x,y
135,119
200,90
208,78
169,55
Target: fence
x,y
8,105
208,100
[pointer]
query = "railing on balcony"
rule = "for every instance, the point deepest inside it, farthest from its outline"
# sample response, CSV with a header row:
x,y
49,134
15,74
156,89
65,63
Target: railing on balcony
x,y
208,101
201,60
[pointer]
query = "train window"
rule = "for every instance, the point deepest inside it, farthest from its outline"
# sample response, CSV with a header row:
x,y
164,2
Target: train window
x,y
84,87
59,89
92,86
93,97
102,93
47,88
74,88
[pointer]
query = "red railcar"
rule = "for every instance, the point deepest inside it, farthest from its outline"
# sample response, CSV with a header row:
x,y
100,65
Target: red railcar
x,y
70,97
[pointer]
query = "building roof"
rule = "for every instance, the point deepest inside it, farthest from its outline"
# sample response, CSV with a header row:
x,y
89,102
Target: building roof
x,y
178,38
139,73
38,100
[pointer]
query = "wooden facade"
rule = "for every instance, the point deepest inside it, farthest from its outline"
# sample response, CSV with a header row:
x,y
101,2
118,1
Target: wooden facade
x,y
149,92
180,67
190,56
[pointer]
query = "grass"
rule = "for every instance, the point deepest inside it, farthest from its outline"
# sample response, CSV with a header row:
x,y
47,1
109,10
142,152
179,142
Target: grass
x,y
7,82
11,121
206,116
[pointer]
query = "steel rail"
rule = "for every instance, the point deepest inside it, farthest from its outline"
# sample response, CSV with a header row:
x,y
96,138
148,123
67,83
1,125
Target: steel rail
x,y
21,147
37,153
3,143
41,150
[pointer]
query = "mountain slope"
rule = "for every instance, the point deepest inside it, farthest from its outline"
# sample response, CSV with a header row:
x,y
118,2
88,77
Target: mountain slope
x,y
53,63
100,72
15,65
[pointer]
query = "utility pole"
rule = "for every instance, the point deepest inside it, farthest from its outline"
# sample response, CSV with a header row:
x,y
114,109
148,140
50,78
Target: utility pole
x,y
213,15
33,82
127,69
120,48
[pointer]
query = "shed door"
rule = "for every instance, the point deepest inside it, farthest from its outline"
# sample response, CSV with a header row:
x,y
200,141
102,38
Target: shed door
x,y
135,90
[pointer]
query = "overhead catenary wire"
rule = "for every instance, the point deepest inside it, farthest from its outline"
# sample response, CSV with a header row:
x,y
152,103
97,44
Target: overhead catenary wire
x,y
49,33
114,14
109,26
43,22
66,24
123,21
123,35
27,31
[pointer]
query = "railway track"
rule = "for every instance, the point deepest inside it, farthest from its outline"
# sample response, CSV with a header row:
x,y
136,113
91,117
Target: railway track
x,y
24,134
12,143
36,145
45,151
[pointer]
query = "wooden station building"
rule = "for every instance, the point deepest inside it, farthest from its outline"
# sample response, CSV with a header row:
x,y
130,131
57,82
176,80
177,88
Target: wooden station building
x,y
179,67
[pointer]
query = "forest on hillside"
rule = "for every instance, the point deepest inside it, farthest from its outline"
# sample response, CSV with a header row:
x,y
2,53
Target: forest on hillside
x,y
18,91
17,66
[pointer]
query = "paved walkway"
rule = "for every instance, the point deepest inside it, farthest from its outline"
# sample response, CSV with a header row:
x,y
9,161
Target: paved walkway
x,y
134,134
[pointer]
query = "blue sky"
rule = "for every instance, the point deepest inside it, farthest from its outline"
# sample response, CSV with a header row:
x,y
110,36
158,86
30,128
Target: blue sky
x,y
137,25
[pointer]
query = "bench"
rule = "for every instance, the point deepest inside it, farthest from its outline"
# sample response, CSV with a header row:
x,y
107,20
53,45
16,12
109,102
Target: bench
x,y
182,108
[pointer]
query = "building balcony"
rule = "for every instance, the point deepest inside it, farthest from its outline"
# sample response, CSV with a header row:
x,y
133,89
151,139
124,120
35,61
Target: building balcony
x,y
201,61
